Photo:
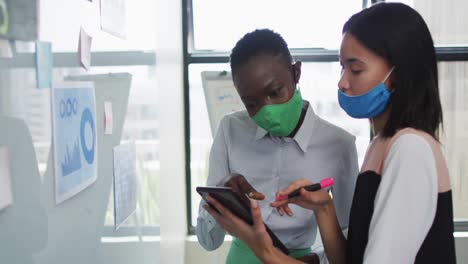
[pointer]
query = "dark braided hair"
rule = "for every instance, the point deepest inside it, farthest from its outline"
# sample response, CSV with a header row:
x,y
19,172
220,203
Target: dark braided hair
x,y
259,42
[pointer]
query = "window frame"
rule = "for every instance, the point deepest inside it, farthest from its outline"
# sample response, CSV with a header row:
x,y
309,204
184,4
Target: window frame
x,y
69,59
192,56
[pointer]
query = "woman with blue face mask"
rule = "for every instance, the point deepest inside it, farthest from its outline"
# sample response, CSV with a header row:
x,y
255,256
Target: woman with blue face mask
x,y
402,204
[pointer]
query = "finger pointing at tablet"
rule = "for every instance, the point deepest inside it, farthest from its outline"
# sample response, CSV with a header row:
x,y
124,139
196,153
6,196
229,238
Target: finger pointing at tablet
x,y
238,183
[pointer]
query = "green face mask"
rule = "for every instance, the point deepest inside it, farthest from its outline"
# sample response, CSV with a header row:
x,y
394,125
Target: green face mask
x,y
280,119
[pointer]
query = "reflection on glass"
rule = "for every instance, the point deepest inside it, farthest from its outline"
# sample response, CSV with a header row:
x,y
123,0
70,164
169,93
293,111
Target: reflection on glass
x,y
19,98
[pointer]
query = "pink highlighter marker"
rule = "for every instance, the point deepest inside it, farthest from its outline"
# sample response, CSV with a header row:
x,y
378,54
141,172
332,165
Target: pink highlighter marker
x,y
311,188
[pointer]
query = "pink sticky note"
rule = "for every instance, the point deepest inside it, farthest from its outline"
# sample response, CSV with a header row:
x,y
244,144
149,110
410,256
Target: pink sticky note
x,y
108,119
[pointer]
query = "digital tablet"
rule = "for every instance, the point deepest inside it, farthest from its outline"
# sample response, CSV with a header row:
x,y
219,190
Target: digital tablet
x,y
239,205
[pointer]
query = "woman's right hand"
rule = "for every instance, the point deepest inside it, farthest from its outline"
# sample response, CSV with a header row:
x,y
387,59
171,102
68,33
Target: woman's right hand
x,y
239,184
311,200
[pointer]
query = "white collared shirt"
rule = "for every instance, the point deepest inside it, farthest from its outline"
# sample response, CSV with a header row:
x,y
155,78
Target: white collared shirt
x,y
269,163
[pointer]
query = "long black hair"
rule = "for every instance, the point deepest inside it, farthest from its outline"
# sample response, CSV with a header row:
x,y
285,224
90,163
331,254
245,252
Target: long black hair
x,y
399,34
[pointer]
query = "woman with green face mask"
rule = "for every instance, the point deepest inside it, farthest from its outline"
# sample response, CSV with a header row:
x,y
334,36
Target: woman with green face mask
x,y
280,119
277,140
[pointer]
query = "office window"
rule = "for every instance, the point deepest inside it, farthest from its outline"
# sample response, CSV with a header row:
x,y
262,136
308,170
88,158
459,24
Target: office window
x,y
454,95
218,24
446,20
313,32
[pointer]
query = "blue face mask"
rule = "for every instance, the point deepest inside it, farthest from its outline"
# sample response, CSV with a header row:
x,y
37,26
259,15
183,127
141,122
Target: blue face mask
x,y
367,105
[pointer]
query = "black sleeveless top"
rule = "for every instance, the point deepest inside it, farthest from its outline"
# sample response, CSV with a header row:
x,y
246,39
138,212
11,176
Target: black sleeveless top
x,y
438,246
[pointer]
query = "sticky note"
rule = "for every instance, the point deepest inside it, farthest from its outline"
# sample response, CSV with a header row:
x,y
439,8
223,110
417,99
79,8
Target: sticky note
x,y
113,17
125,182
5,49
108,118
6,195
84,49
44,64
